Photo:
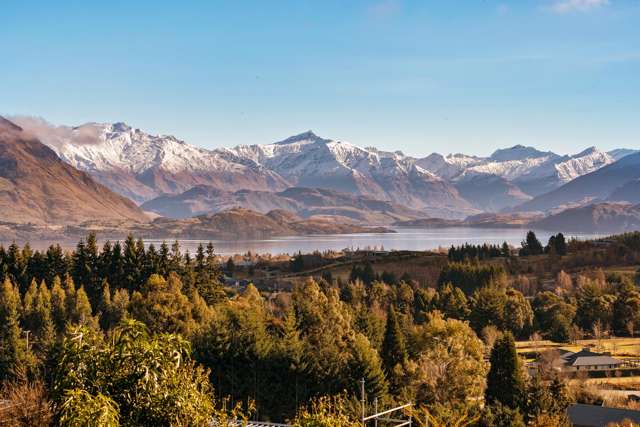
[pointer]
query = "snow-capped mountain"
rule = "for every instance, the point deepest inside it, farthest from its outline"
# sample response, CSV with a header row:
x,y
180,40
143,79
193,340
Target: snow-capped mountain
x,y
450,166
143,166
308,160
533,171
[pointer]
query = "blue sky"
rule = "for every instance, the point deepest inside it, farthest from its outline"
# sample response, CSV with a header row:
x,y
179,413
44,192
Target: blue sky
x,y
419,76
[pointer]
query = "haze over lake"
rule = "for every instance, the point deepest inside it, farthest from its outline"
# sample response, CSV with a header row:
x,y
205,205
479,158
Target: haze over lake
x,y
404,238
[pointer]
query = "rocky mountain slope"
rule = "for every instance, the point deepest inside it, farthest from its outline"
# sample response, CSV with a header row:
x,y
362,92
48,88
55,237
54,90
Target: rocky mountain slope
x,y
305,202
37,187
490,193
628,192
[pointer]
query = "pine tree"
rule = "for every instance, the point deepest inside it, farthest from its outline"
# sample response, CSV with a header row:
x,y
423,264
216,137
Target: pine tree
x,y
230,266
91,281
368,275
452,302
188,274
505,250
163,260
207,275
505,384
199,260
531,245
175,261
394,351
28,303
291,353
366,364
81,268
69,287
559,395
116,271
104,260
152,261
104,306
557,245
142,263
119,306
58,305
55,263
538,399
82,311
14,356
626,309
43,327
16,266
131,265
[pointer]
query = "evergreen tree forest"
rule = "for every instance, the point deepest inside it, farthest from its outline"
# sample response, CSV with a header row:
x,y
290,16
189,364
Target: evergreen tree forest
x,y
134,335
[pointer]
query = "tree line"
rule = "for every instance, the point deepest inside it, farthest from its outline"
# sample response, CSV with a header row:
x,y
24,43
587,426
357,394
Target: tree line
x,y
141,336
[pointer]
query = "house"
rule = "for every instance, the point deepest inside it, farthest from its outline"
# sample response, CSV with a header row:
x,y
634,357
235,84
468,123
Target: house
x,y
587,360
599,416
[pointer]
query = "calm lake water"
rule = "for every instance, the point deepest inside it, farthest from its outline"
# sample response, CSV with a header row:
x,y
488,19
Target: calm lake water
x,y
404,238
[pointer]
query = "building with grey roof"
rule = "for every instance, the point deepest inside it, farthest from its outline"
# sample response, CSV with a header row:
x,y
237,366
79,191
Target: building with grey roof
x,y
587,360
599,416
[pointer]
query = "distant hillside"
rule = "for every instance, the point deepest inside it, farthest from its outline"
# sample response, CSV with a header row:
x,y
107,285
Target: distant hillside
x,y
37,187
486,220
231,224
490,193
629,192
599,218
305,202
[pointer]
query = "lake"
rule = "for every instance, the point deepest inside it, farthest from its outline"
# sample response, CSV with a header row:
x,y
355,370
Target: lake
x,y
404,238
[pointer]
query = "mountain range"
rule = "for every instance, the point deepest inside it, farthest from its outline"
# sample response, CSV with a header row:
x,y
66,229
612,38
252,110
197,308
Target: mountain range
x,y
143,167
312,176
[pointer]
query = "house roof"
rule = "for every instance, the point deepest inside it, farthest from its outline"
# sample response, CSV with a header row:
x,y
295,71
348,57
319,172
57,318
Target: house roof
x,y
599,416
586,357
595,360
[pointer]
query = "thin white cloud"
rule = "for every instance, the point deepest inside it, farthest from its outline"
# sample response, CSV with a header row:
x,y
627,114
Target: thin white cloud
x,y
54,135
568,6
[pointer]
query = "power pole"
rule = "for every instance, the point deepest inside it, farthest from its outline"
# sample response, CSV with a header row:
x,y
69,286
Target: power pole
x,y
364,402
27,336
375,409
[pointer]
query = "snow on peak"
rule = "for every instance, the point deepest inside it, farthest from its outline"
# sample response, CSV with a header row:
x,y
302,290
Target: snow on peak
x,y
106,147
586,161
